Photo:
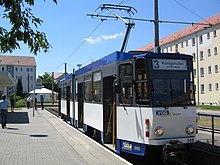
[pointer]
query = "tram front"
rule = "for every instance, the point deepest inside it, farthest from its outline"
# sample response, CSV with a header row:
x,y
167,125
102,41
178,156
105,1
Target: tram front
x,y
167,85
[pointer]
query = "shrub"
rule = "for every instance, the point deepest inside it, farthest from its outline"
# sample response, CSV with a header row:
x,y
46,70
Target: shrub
x,y
17,98
21,103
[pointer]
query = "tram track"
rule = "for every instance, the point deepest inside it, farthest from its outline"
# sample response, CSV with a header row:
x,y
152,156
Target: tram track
x,y
208,129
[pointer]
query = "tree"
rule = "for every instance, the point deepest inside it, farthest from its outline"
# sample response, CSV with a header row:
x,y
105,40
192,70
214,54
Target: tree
x,y
18,13
19,91
47,81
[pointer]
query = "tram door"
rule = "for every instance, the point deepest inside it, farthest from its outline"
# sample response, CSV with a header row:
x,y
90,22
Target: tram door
x,y
80,104
68,97
108,110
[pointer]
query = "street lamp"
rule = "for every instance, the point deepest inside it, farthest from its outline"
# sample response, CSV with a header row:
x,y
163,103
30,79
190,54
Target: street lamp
x,y
79,65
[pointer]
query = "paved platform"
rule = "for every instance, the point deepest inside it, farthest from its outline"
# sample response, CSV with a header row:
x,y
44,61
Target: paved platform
x,y
46,140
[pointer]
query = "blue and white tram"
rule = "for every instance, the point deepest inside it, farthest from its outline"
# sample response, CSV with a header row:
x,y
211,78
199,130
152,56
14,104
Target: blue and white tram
x,y
134,102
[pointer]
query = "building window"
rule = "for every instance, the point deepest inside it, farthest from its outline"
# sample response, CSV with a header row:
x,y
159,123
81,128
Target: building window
x,y
21,69
31,69
208,36
209,69
170,48
201,55
181,44
187,43
166,50
209,52
200,39
202,88
194,56
216,87
215,50
176,48
3,68
214,33
194,72
210,87
16,69
216,68
193,42
202,72
27,69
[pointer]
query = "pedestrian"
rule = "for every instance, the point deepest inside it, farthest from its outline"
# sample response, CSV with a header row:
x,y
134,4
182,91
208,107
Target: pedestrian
x,y
4,110
35,102
12,101
29,100
42,101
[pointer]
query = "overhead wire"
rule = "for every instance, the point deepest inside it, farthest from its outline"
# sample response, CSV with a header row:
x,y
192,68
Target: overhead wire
x,y
191,11
79,46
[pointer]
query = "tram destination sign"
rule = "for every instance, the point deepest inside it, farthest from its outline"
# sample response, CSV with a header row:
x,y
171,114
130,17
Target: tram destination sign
x,y
169,64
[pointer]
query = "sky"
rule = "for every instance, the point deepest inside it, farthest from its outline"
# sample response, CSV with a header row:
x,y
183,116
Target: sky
x,y
79,39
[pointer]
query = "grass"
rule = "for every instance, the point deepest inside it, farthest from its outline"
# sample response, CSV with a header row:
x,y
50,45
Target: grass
x,y
207,122
208,107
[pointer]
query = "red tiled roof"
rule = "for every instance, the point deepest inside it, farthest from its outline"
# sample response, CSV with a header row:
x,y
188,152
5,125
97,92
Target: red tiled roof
x,y
183,33
57,75
17,60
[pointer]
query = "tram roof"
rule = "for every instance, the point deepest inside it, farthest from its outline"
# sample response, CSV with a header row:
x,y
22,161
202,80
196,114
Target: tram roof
x,y
111,58
66,78
164,55
120,56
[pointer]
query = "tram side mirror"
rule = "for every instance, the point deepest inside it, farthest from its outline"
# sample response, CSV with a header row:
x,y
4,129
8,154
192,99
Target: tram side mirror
x,y
116,86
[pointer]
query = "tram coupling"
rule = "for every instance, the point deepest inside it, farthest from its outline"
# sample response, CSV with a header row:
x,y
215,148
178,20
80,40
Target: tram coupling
x,y
175,151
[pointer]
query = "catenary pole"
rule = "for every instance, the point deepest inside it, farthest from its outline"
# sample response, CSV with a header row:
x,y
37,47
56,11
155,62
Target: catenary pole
x,y
156,27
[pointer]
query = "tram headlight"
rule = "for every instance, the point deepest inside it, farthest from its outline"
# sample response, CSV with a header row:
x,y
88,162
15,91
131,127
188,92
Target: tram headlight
x,y
159,131
190,130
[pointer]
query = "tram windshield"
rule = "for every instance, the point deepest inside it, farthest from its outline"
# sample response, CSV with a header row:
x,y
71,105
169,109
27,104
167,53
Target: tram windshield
x,y
170,92
164,82
171,82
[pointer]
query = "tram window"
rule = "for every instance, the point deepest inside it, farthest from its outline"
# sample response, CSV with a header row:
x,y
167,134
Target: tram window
x,y
63,92
97,87
76,90
88,88
142,94
168,92
126,83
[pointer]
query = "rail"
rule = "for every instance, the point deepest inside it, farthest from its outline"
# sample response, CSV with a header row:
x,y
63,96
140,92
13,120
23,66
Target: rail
x,y
211,128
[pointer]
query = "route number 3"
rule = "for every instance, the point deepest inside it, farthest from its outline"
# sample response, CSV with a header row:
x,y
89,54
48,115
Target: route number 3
x,y
156,64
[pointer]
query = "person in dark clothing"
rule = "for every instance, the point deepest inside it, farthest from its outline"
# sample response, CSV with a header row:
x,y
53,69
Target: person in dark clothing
x,y
42,101
35,102
12,100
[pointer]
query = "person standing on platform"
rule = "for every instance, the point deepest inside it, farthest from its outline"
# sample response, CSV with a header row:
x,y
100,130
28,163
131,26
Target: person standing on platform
x,y
29,101
42,101
4,110
12,101
35,102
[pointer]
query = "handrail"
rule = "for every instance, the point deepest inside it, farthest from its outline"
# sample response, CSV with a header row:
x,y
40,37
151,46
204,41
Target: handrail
x,y
212,125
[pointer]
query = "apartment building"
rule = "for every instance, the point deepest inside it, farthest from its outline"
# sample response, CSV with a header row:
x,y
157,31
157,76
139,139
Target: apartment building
x,y
20,67
203,43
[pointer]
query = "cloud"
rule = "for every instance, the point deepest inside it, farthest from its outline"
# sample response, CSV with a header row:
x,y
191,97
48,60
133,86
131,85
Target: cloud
x,y
101,38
